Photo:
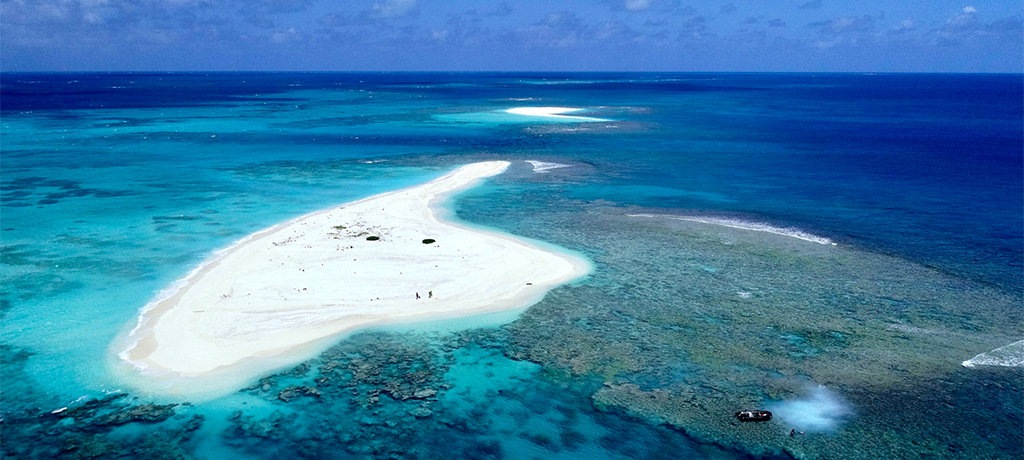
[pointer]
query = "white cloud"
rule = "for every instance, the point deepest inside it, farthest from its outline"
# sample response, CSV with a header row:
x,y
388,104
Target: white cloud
x,y
905,26
970,9
557,30
637,5
394,8
287,36
826,44
846,24
963,21
616,31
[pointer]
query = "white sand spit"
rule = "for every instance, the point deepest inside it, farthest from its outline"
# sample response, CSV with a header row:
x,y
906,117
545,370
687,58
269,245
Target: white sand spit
x,y
318,276
554,112
544,166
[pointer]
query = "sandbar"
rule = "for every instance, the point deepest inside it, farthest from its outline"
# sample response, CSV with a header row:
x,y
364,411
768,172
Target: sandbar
x,y
545,166
318,276
553,112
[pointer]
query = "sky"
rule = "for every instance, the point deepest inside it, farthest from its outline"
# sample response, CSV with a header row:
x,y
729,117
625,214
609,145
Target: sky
x,y
513,35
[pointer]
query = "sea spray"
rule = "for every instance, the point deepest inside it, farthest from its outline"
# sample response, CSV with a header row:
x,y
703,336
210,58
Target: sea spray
x,y
823,410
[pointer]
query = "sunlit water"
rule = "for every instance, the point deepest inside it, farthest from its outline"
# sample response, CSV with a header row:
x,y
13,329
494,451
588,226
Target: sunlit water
x,y
832,248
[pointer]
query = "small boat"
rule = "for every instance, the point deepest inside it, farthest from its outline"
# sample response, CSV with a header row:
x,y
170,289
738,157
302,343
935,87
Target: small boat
x,y
754,415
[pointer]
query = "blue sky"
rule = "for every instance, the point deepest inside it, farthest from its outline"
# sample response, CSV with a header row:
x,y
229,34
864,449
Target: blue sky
x,y
511,35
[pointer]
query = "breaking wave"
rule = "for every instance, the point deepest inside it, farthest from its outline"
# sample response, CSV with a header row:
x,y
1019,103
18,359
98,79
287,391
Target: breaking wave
x,y
1011,355
746,225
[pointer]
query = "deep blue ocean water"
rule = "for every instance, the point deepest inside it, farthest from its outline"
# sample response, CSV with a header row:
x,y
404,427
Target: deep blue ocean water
x,y
116,185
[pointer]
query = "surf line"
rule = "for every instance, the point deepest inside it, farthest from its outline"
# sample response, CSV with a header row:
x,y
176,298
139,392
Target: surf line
x,y
1011,355
745,225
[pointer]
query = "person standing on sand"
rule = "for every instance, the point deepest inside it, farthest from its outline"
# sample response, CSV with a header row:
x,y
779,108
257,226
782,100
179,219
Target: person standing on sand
x,y
430,295
417,296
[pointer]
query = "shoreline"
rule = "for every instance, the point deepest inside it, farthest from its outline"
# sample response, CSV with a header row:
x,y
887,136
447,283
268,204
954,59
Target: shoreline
x,y
292,286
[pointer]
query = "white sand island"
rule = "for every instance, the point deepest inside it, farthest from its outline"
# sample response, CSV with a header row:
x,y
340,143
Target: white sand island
x,y
317,276
552,112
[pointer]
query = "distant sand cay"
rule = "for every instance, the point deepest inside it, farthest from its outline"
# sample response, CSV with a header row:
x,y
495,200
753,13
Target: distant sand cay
x,y
318,276
544,166
553,112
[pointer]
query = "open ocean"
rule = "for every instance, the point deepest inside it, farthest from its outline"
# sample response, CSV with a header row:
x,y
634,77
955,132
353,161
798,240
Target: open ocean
x,y
830,247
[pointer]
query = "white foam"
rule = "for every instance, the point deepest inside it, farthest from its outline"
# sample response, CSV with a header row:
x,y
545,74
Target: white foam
x,y
911,329
544,166
745,225
551,112
1011,355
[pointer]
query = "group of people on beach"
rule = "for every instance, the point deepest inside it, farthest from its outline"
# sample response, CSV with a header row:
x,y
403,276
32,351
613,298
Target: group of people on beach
x,y
429,294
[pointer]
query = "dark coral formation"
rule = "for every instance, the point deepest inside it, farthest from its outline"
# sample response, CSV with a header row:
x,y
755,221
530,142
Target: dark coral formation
x,y
686,324
84,430
679,327
384,395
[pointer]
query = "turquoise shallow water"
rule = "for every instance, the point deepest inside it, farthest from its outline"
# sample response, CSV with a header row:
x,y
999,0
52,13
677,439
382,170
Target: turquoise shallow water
x,y
115,186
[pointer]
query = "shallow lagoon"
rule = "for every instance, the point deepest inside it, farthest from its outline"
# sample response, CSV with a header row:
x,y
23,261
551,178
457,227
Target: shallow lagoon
x,y
681,323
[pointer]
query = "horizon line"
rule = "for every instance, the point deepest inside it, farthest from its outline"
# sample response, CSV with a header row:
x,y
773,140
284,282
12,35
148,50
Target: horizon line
x,y
717,72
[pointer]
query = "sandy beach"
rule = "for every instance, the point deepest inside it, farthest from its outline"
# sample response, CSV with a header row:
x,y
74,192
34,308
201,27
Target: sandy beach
x,y
319,275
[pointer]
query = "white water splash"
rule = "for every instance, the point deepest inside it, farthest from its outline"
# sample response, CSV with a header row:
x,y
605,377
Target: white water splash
x,y
823,410
745,225
1011,355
